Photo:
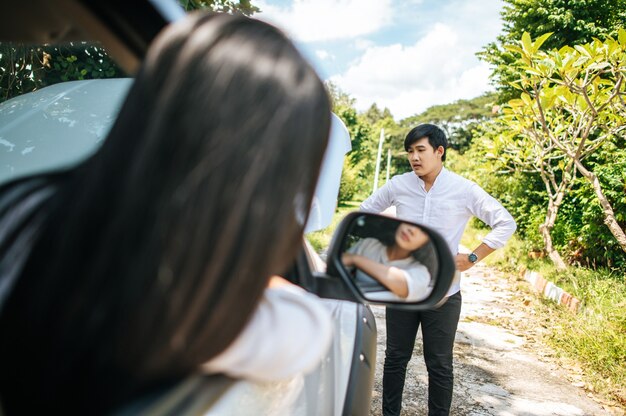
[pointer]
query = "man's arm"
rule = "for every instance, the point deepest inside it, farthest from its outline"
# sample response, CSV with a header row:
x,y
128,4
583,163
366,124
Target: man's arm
x,y
391,277
490,211
379,201
462,259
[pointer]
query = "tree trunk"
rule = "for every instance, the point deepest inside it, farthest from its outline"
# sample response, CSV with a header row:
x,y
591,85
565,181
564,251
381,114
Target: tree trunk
x,y
609,215
546,228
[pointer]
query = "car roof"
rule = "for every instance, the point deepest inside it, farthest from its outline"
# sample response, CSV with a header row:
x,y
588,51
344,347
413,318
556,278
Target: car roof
x,y
57,126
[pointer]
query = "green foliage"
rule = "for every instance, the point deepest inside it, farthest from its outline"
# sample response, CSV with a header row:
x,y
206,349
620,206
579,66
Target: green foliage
x,y
374,115
521,192
359,168
572,22
226,6
475,109
353,185
320,240
596,336
28,68
570,117
580,233
459,119
582,216
358,164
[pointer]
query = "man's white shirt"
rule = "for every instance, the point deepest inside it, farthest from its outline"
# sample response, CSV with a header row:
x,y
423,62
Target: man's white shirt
x,y
446,208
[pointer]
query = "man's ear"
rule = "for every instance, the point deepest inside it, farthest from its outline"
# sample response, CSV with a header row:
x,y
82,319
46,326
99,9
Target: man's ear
x,y
440,150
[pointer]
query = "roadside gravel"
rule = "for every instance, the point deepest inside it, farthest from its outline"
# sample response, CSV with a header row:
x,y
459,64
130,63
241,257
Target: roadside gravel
x,y
499,370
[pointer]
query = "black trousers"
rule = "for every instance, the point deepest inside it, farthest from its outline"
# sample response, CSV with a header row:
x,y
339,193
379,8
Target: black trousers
x,y
438,331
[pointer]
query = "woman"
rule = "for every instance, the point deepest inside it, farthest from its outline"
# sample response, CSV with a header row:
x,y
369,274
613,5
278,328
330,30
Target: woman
x,y
399,265
125,274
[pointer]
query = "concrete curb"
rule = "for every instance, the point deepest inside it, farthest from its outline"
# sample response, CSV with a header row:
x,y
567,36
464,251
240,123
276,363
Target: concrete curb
x,y
551,291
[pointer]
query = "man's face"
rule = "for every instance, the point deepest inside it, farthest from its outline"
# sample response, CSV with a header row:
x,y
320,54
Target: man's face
x,y
423,158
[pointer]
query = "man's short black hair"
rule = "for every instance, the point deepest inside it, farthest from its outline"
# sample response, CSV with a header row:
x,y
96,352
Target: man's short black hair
x,y
436,137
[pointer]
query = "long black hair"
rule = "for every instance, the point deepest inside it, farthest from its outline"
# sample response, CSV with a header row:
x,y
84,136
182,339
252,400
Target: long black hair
x,y
154,253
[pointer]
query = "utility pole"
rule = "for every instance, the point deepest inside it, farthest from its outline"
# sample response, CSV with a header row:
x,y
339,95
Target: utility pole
x,y
388,164
380,150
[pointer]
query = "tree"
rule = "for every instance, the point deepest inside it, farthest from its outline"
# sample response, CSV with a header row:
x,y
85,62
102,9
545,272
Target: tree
x,y
572,106
572,22
360,164
373,114
226,6
459,119
527,149
26,68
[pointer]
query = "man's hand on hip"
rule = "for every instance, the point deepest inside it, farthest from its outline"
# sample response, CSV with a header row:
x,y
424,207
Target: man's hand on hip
x,y
462,262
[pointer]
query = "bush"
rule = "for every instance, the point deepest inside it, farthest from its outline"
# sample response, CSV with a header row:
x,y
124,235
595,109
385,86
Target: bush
x,y
596,336
579,234
320,240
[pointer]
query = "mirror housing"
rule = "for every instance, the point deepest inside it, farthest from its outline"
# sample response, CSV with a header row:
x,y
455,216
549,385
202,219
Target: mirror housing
x,y
442,268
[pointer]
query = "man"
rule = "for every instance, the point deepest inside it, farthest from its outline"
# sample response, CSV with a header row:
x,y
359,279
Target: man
x,y
433,196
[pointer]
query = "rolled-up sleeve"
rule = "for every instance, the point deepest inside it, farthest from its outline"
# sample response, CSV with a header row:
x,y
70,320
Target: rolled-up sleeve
x,y
418,282
490,211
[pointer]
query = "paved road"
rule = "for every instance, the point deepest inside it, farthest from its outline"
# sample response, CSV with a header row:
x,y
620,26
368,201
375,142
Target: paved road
x,y
497,372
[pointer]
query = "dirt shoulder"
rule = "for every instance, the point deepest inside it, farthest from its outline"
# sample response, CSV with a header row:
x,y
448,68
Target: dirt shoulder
x,y
500,369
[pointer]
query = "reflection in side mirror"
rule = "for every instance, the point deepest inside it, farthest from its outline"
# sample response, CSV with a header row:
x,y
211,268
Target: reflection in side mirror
x,y
391,260
388,261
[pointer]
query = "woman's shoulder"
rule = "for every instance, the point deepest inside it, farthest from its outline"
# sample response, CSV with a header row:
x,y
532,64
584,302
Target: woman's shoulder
x,y
368,244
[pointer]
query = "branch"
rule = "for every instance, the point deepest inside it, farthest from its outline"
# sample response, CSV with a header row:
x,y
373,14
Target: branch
x,y
583,90
616,92
542,117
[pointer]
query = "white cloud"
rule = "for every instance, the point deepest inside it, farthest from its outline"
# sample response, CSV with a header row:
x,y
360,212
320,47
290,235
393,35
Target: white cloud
x,y
318,20
439,68
363,44
404,75
324,55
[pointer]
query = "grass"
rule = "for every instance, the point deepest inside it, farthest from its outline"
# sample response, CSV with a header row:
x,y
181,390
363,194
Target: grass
x,y
595,338
320,240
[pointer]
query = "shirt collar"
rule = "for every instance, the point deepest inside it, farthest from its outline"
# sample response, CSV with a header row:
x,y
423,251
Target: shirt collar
x,y
441,177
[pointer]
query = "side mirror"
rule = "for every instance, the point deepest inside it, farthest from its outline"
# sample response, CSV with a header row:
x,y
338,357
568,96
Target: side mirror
x,y
368,249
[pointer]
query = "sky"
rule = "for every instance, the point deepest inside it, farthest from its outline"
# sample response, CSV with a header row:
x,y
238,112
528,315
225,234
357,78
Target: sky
x,y
406,55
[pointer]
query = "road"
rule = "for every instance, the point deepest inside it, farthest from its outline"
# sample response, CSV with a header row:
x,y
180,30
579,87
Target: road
x,y
498,372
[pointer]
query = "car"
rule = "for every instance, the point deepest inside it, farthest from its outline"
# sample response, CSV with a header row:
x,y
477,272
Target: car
x,y
59,125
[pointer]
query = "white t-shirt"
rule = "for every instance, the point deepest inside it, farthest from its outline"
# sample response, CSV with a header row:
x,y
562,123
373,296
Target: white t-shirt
x,y
290,332
417,277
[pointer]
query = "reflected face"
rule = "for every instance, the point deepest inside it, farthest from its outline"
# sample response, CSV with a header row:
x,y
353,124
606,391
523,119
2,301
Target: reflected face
x,y
410,237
